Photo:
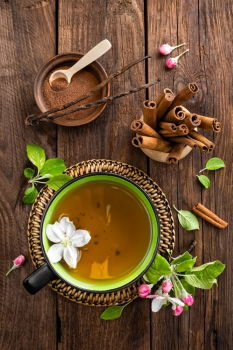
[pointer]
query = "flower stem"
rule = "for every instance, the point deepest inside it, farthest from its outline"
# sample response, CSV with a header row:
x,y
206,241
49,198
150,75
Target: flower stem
x,y
177,57
202,170
11,269
176,47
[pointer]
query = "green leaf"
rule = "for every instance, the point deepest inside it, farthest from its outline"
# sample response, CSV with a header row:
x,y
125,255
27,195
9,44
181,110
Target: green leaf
x,y
30,195
58,181
112,312
29,172
199,282
187,219
204,180
185,256
215,267
189,289
185,265
53,166
204,276
36,155
214,164
160,267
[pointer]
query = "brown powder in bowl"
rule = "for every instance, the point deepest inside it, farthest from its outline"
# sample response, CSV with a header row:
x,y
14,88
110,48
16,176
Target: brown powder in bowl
x,y
61,93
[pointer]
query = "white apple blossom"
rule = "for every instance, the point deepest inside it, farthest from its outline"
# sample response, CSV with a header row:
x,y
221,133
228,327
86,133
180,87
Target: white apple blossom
x,y
67,241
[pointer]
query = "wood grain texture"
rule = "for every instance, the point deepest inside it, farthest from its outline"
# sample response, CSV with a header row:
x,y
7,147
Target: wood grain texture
x,y
187,22
33,31
23,50
82,25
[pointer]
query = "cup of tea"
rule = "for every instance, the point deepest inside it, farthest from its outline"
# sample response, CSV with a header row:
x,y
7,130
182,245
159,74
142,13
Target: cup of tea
x,y
123,226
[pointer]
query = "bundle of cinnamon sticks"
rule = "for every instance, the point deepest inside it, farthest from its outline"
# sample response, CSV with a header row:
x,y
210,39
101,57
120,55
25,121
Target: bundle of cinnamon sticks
x,y
167,126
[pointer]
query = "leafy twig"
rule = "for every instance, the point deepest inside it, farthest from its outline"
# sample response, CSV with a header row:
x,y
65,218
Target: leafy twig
x,y
50,170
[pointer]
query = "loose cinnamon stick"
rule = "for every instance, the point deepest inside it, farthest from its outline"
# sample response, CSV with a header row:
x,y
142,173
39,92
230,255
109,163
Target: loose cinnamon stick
x,y
192,121
165,101
210,124
88,94
195,135
184,95
185,140
140,127
206,214
175,115
181,130
150,113
151,143
175,154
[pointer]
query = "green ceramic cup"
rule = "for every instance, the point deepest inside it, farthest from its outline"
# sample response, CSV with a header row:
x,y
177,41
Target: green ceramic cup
x,y
49,271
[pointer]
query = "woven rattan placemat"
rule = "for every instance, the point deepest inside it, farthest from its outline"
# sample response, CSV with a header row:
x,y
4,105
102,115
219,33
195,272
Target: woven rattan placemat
x,y
167,235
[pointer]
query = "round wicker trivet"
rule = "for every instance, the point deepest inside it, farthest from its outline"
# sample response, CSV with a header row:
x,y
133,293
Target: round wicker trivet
x,y
167,235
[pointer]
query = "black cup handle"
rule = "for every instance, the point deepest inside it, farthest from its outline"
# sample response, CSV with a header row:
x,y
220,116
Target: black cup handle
x,y
39,278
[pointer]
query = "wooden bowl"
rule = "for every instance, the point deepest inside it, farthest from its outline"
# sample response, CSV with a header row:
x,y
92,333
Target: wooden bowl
x,y
162,156
70,58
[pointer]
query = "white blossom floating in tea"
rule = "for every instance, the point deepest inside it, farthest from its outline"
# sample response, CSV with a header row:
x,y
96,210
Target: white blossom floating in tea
x,y
67,240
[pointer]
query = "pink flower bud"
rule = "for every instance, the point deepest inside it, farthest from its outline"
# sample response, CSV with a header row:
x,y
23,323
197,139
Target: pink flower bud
x,y
19,260
178,310
188,300
173,61
167,286
144,290
165,49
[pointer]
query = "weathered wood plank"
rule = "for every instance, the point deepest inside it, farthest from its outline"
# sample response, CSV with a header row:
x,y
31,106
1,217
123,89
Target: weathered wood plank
x,y
82,25
177,22
215,20
27,40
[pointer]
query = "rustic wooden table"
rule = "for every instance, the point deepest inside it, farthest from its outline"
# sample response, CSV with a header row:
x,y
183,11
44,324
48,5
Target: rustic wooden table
x,y
33,31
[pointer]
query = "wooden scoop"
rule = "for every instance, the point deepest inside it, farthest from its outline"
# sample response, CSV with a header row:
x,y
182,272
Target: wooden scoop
x,y
92,55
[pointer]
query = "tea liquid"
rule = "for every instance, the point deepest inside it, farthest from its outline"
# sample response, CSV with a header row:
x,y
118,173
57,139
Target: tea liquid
x,y
119,226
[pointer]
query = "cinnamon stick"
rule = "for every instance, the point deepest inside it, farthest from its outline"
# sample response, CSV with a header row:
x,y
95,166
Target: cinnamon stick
x,y
167,126
140,127
164,102
195,135
185,140
166,91
181,130
210,124
175,115
150,113
206,214
175,154
152,143
184,95
192,121
88,94
202,147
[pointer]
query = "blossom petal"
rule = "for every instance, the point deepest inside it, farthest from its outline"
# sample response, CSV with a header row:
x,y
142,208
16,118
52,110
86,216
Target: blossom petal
x,y
55,253
175,301
70,255
157,303
53,233
80,238
64,221
70,229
